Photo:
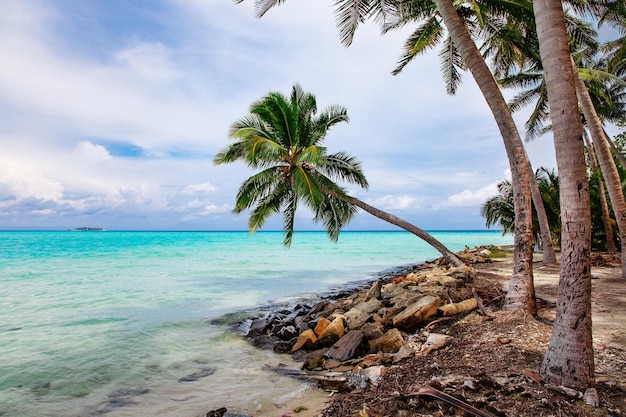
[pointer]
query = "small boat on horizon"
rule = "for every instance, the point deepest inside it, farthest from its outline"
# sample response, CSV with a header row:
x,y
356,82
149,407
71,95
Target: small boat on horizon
x,y
87,229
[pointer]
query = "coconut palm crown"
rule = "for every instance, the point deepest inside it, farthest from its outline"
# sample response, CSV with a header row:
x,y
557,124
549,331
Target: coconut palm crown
x,y
282,136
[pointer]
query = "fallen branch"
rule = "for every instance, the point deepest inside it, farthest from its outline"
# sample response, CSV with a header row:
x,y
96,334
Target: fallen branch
x,y
481,305
455,402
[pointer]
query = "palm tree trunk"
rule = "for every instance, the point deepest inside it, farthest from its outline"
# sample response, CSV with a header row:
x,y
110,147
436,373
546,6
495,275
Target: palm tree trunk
x,y
549,256
521,292
422,234
606,216
607,163
569,358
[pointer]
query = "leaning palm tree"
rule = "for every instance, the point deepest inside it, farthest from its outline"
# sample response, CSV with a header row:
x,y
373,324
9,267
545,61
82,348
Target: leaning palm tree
x,y
351,13
283,138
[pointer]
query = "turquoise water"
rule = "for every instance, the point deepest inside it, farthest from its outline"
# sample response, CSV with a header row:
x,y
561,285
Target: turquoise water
x,y
106,323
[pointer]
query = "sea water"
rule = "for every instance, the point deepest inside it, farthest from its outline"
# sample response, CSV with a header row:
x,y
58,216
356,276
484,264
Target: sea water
x,y
110,323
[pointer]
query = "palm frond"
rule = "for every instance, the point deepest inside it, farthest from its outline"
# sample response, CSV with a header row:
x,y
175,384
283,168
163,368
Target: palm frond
x,y
349,14
425,37
451,65
344,167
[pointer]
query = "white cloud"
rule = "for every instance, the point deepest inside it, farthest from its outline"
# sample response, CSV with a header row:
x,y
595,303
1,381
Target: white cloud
x,y
151,61
89,151
472,198
171,80
395,202
206,187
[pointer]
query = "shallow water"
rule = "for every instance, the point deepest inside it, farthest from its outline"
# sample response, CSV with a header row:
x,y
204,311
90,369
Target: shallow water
x,y
106,323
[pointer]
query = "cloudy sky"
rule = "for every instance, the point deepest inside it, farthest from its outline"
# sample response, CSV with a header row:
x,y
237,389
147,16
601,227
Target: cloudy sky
x,y
111,113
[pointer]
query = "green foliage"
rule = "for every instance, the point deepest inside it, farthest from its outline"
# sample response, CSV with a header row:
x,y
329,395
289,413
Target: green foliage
x,y
498,210
282,137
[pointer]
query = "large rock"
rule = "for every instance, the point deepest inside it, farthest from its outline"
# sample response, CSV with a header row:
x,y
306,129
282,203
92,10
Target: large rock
x,y
307,340
361,313
390,342
332,332
372,330
321,325
348,347
419,312
374,291
356,318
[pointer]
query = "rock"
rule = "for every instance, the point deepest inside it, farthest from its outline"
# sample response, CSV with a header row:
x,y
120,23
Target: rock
x,y
388,291
307,340
216,413
321,325
406,351
356,318
264,341
287,332
434,341
374,291
331,364
591,397
348,347
372,330
333,332
405,299
258,327
467,274
197,375
419,312
284,346
390,342
374,373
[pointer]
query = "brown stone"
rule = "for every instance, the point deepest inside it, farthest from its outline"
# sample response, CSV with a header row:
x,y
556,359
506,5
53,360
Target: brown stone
x,y
333,332
372,330
419,312
390,342
374,291
322,324
307,340
356,318
348,347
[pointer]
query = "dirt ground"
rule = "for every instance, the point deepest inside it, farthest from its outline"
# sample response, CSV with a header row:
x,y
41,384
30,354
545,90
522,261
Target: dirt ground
x,y
493,364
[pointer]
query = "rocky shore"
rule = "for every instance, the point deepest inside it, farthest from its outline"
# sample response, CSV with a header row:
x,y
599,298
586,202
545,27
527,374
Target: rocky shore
x,y
353,342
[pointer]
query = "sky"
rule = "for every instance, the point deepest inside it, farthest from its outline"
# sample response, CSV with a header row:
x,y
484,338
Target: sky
x,y
111,113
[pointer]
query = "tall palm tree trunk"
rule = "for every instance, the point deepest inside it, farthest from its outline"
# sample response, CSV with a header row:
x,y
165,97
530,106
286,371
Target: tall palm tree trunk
x,y
521,293
607,163
547,248
569,358
604,204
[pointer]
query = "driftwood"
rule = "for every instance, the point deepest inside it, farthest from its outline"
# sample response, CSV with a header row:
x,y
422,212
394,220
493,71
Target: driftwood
x,y
435,393
464,306
328,380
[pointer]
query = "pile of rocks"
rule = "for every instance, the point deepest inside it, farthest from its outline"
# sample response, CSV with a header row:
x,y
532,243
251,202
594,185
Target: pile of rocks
x,y
361,333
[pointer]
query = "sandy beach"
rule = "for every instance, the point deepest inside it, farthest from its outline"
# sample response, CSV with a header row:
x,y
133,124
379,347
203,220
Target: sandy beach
x,y
503,347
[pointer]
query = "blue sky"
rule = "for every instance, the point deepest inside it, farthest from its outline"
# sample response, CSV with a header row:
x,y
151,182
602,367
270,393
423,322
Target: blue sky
x,y
111,113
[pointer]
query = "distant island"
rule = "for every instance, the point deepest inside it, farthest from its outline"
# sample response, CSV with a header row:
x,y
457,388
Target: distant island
x,y
87,229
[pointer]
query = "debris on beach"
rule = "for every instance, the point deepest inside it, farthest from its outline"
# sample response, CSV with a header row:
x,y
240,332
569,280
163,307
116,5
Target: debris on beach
x,y
433,327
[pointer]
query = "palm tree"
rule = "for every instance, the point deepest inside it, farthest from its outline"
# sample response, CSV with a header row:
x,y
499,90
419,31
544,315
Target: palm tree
x,y
569,358
498,210
350,13
283,138
607,90
481,25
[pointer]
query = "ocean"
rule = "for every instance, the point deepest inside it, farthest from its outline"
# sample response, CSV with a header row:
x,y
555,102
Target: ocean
x,y
114,323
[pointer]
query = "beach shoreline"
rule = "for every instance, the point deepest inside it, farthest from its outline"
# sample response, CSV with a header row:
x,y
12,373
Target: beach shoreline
x,y
609,338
